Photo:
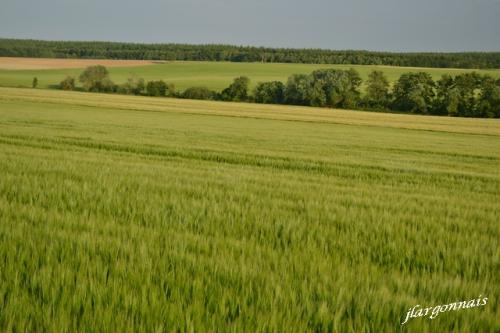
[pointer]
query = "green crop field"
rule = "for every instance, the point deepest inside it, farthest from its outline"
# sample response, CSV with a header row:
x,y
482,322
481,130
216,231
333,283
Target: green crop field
x,y
214,75
122,213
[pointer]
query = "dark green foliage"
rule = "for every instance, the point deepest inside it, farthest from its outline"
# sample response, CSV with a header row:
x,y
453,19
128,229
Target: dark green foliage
x,y
447,97
377,91
159,88
110,50
316,94
237,91
34,84
198,93
298,89
489,99
68,83
96,79
414,92
325,87
269,92
466,87
133,86
340,88
467,95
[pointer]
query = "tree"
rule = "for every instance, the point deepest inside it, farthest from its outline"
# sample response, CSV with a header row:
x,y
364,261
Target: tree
x,y
459,96
414,92
298,89
341,88
133,86
171,90
269,92
489,98
446,101
34,84
96,79
467,86
352,95
316,95
377,91
68,83
198,93
156,88
322,87
237,91
107,50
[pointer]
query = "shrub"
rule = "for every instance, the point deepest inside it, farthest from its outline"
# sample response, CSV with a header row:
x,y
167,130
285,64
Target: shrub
x,y
237,91
96,79
198,93
270,92
156,88
414,92
133,86
68,83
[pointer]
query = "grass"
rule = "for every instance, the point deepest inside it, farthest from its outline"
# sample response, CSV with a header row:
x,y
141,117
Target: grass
x,y
214,75
121,213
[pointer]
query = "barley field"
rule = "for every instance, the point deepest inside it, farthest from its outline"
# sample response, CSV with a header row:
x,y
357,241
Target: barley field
x,y
122,213
19,72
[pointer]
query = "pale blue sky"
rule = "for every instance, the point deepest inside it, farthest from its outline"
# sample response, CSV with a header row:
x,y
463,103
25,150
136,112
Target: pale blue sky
x,y
390,25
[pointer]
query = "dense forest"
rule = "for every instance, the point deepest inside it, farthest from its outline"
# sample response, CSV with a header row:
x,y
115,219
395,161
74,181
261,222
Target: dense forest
x,y
465,95
129,51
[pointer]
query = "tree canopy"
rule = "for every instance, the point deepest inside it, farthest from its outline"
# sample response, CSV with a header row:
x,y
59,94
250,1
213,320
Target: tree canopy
x,y
377,91
237,91
269,92
96,79
414,92
129,51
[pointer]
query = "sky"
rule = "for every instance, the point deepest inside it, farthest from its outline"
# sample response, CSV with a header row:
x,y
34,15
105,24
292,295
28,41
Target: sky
x,y
379,25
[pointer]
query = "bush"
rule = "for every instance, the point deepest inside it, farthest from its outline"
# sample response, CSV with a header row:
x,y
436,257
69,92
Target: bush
x,y
160,89
377,95
67,84
335,88
237,91
96,79
298,89
133,86
198,93
269,92
414,92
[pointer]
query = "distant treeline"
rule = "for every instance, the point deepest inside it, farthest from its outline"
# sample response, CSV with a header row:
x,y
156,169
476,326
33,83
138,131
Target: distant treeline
x,y
134,51
465,95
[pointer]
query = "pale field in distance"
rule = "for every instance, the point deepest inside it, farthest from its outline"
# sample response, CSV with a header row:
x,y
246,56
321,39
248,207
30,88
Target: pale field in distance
x,y
14,63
